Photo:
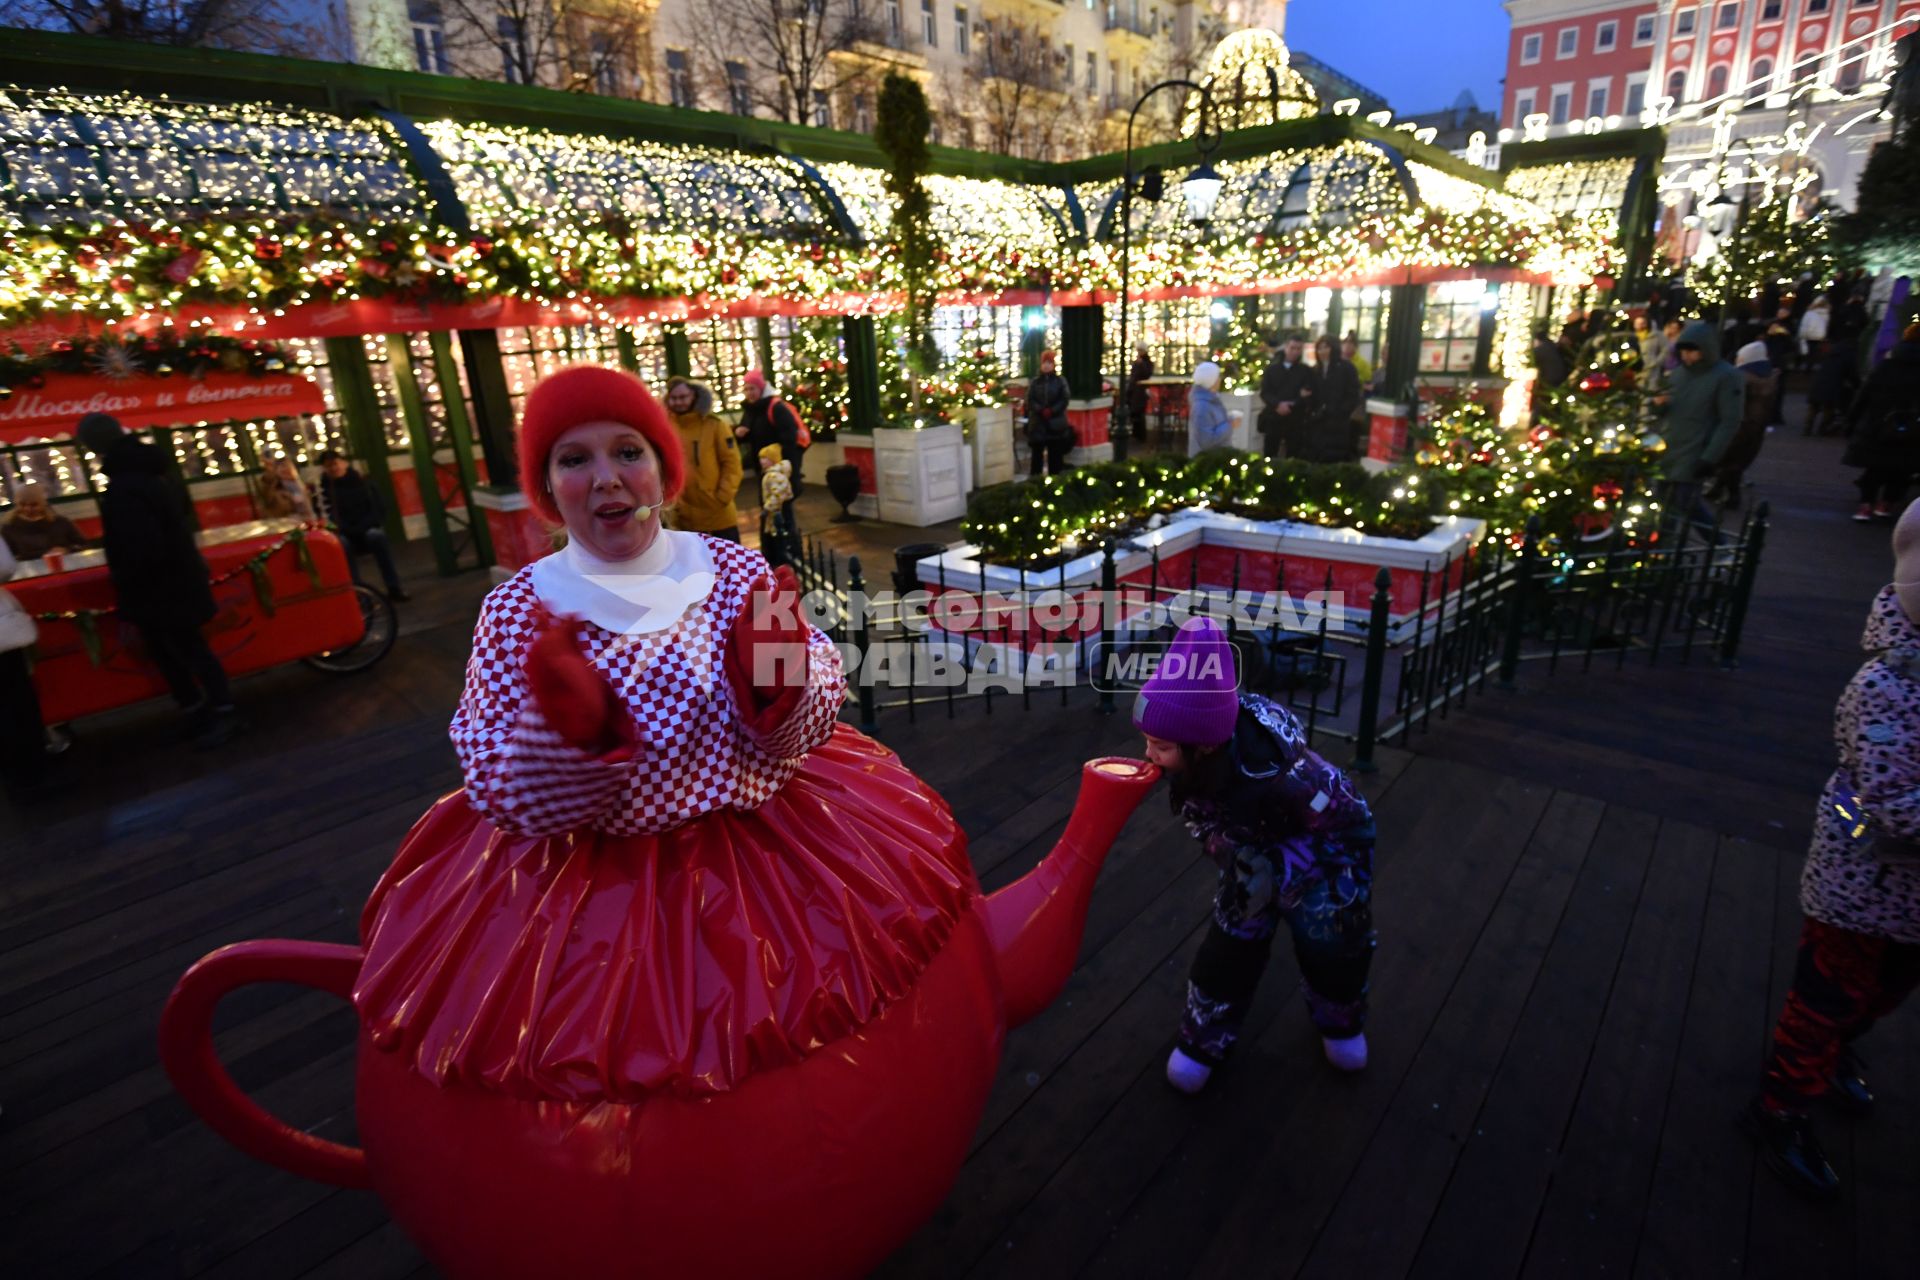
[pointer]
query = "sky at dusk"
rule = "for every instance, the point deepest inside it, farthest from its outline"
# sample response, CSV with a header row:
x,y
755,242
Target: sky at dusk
x,y
1419,54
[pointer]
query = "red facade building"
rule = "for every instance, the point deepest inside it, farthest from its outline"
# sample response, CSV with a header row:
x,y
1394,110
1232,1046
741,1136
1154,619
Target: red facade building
x,y
1574,60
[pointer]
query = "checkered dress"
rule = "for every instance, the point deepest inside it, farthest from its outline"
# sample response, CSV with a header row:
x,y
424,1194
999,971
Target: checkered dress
x,y
694,754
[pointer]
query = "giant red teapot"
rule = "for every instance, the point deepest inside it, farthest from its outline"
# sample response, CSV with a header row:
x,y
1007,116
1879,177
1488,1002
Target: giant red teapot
x,y
812,1161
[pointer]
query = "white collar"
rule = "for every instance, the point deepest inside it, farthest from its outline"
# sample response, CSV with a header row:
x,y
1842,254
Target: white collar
x,y
650,592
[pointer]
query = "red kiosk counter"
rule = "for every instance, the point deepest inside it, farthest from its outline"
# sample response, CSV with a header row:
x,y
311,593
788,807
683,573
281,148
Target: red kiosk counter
x,y
283,594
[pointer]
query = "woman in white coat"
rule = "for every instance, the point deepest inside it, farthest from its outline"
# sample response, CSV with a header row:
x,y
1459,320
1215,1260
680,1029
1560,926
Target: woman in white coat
x,y
1209,422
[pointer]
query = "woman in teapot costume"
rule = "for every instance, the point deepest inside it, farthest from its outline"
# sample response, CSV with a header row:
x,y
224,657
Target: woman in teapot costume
x,y
690,979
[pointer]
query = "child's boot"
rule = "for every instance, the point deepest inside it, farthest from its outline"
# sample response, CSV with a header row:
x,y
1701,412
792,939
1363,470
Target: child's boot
x,y
1349,1054
1187,1074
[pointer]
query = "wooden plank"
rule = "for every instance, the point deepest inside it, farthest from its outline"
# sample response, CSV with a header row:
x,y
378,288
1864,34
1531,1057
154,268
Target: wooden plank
x,y
1591,1219
1059,1232
1486,1216
384,1253
1795,1236
1695,1226
1886,1172
1409,1156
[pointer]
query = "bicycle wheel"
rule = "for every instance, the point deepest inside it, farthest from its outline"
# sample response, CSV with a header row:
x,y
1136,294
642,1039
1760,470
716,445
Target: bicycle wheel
x,y
376,637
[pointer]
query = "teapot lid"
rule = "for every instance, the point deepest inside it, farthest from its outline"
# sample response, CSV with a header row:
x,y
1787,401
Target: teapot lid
x,y
587,966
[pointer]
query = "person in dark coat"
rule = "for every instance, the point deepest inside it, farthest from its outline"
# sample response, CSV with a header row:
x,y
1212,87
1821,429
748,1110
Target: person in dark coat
x,y
1702,403
1287,389
1831,390
160,582
1762,379
767,419
1332,437
1884,426
350,504
1049,433
1137,390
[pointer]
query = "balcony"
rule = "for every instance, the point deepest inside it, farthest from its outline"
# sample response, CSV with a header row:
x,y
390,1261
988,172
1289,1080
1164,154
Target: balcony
x,y
880,43
1126,19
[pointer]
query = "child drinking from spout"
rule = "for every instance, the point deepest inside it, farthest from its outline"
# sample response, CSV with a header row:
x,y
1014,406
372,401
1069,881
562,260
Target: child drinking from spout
x,y
1293,839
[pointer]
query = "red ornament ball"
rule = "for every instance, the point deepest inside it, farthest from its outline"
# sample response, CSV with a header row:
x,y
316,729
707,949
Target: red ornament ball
x,y
1596,382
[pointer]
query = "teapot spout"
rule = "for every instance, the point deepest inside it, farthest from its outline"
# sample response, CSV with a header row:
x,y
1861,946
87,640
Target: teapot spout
x,y
1035,923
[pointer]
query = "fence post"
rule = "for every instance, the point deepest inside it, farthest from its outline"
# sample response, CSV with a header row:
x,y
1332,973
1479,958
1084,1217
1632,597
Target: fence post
x,y
1108,606
1517,615
863,684
1743,587
1370,680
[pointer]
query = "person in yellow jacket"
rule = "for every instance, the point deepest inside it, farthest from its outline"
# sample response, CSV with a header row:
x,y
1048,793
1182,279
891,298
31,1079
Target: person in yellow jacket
x,y
713,462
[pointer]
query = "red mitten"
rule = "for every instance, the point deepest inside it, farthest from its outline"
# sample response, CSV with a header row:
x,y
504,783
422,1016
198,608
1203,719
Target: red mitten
x,y
767,651
573,696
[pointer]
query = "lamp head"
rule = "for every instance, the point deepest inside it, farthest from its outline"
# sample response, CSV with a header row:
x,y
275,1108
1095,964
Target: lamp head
x,y
1202,189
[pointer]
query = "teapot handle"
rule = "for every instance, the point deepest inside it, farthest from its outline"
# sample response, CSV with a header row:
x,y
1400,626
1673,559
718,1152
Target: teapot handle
x,y
191,1062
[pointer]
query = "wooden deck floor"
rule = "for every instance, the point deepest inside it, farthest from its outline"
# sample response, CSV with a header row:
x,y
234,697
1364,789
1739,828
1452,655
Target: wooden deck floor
x,y
1571,997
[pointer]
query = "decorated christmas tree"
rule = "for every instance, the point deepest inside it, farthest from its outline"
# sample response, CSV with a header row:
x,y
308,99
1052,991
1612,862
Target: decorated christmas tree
x,y
817,374
1771,246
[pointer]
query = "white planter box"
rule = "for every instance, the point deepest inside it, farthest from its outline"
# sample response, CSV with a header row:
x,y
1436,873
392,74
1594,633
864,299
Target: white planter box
x,y
820,455
993,445
1247,405
921,474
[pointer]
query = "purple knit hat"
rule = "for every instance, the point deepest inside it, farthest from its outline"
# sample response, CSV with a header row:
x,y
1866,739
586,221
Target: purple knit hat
x,y
1191,697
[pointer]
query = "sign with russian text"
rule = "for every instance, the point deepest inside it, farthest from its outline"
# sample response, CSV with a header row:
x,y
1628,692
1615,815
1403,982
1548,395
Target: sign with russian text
x,y
54,408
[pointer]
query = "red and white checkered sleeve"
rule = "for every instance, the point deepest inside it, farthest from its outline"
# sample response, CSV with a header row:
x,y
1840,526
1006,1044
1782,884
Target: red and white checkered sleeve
x,y
520,772
810,723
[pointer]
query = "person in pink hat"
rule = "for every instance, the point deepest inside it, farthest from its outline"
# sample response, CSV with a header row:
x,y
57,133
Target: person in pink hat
x,y
1293,839
1860,890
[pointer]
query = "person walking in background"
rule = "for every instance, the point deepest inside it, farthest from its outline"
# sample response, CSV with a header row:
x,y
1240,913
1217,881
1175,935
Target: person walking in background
x,y
779,542
1859,953
1137,390
1209,422
1761,377
34,529
1293,839
351,506
1550,367
1049,433
767,419
1362,367
1884,430
23,755
1830,390
714,469
1332,436
1287,388
278,491
1813,330
1653,347
160,582
1703,403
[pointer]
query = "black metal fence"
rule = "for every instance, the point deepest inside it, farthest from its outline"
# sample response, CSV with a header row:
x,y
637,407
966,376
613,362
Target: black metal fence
x,y
1362,673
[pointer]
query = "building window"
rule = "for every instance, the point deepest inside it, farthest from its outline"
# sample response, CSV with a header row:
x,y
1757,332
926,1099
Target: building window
x,y
1455,326
1530,48
1851,73
1636,93
929,25
1643,29
1523,105
1762,72
512,35
604,59
738,96
962,34
1728,16
429,36
1113,81
1605,36
862,113
679,78
1816,6
822,109
1569,43
1683,22
1807,68
1770,11
1677,86
1562,109
1597,100
1093,73
893,18
1717,81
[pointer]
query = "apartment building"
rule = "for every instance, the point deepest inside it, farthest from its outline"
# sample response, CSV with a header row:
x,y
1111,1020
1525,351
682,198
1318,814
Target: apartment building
x,y
1769,83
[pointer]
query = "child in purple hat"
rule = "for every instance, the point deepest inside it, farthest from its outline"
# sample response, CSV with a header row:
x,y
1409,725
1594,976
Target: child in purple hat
x,y
1293,839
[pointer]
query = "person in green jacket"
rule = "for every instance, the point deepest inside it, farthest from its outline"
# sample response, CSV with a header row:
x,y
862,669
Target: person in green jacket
x,y
1702,402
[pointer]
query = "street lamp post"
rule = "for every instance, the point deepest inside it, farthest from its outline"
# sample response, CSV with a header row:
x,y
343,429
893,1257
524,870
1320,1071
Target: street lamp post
x,y
1201,188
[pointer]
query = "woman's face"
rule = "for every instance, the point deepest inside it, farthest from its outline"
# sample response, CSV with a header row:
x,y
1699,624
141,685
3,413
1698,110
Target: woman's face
x,y
680,398
1322,351
605,479
33,506
1165,754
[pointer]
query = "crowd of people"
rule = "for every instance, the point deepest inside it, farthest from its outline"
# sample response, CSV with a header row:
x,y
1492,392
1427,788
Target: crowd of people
x,y
1310,409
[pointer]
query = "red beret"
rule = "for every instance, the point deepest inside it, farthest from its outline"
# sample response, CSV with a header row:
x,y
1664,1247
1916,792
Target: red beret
x,y
581,393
